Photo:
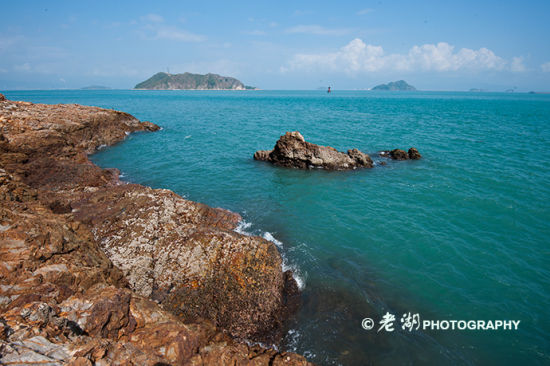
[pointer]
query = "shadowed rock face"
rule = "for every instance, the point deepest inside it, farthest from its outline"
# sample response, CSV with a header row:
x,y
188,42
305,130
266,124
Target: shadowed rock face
x,y
398,154
414,154
293,151
87,259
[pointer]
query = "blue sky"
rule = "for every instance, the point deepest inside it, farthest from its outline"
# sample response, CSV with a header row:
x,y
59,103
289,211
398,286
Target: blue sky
x,y
434,45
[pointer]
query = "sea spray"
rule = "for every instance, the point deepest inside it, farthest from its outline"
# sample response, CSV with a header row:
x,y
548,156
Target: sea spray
x,y
243,228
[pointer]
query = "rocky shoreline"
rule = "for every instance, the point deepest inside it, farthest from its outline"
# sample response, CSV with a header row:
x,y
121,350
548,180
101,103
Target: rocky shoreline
x,y
95,271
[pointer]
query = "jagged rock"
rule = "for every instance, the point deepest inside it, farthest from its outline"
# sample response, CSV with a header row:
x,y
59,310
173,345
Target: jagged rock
x,y
2,97
64,222
361,158
262,155
150,126
414,154
291,150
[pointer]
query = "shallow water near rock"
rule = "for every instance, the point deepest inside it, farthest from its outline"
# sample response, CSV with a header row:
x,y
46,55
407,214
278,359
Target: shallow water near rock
x,y
460,234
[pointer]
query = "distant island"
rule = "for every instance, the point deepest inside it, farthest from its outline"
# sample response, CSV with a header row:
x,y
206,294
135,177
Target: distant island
x,y
395,85
188,81
95,87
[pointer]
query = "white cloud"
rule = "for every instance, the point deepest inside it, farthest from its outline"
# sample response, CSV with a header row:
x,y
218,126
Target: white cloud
x,y
317,30
365,11
154,18
255,32
517,65
357,56
160,31
176,34
545,67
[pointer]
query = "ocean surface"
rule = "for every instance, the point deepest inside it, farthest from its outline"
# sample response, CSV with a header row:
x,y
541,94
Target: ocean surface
x,y
463,233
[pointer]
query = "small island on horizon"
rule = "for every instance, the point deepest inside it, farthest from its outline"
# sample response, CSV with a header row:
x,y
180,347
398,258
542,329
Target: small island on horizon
x,y
189,81
400,85
96,87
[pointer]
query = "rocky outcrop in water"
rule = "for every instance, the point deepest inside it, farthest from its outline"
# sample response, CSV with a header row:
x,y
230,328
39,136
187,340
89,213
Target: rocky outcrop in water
x,y
398,154
96,271
291,150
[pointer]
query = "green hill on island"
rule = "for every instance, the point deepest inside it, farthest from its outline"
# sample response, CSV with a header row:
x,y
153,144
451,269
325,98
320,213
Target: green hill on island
x,y
165,81
395,85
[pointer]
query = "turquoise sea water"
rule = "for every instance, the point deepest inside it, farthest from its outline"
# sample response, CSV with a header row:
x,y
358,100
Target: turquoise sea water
x,y
462,234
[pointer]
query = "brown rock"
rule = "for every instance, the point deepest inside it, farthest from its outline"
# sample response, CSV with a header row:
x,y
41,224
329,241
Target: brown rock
x,y
2,97
64,301
397,154
291,150
414,154
361,158
80,361
150,126
184,255
262,155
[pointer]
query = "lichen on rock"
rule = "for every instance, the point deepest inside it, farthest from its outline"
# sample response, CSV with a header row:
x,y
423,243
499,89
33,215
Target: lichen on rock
x,y
97,271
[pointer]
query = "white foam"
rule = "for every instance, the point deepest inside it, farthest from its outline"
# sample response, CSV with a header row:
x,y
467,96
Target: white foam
x,y
243,228
292,338
261,344
267,236
296,274
188,137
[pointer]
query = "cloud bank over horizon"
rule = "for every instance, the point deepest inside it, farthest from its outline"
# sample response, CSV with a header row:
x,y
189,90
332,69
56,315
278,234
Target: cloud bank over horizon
x,y
358,57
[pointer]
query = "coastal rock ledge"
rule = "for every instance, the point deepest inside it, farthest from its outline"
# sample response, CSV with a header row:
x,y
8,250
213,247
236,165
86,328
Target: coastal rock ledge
x,y
95,271
293,151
